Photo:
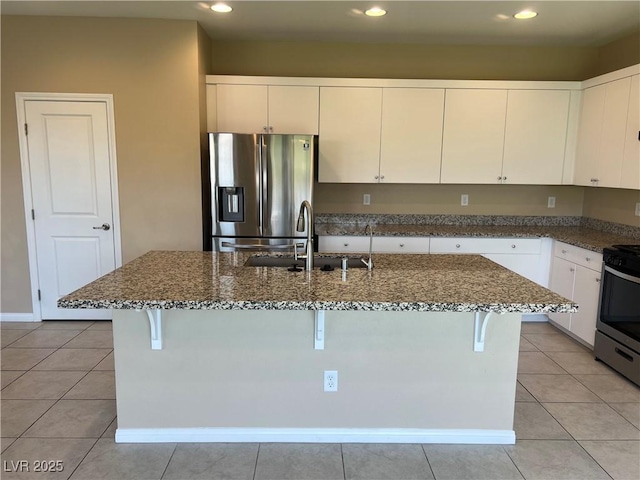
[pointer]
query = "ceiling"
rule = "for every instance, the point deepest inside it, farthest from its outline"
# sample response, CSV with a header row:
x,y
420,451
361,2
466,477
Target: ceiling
x,y
559,23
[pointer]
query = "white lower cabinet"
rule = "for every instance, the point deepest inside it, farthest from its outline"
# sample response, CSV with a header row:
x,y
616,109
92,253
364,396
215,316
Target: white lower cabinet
x,y
528,257
360,244
575,274
343,244
401,244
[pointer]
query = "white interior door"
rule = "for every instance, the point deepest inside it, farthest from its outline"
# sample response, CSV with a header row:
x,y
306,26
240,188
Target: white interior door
x,y
69,162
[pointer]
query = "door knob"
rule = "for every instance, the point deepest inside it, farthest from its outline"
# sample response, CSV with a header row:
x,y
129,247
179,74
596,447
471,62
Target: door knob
x,y
104,226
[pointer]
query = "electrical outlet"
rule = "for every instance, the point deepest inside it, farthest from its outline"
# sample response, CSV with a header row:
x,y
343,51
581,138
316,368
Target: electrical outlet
x,y
464,200
551,202
638,209
330,381
366,199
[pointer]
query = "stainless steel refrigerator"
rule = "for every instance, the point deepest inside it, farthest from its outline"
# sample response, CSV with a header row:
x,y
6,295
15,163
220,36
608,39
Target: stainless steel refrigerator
x,y
253,187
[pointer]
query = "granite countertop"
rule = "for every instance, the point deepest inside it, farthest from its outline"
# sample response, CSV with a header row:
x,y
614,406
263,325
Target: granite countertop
x,y
584,237
211,280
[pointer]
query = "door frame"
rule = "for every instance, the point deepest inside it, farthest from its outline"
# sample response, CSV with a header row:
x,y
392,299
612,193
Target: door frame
x,y
21,99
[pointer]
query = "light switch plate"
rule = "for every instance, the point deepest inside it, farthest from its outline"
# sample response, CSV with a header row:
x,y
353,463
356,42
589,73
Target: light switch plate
x,y
366,199
464,200
551,202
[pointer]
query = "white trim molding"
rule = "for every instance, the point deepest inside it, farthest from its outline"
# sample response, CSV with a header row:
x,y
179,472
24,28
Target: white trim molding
x,y
18,317
21,98
315,435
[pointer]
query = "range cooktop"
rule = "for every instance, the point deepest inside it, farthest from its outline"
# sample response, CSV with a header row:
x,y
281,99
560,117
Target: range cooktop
x,y
632,249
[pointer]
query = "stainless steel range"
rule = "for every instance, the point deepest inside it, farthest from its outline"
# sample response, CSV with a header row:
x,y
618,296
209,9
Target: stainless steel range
x,y
617,340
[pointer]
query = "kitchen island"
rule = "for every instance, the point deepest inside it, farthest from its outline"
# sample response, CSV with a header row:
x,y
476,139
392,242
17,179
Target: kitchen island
x,y
208,349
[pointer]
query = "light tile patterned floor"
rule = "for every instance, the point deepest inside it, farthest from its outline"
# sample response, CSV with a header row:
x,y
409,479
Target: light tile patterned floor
x,y
575,419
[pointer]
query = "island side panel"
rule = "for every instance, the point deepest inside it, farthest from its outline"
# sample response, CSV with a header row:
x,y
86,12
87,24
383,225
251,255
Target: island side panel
x,y
258,369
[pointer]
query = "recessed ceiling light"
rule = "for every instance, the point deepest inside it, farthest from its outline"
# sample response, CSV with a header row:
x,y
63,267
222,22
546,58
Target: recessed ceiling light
x,y
221,8
375,12
525,15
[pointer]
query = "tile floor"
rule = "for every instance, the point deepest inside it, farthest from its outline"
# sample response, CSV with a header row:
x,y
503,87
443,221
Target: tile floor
x,y
574,419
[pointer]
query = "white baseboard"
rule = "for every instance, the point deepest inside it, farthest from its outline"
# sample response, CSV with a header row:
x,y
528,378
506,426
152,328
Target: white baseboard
x,y
17,317
534,317
315,435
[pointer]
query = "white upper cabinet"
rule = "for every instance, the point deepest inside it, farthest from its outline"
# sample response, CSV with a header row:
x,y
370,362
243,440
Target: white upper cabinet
x,y
589,133
293,109
631,158
535,136
473,137
242,108
602,132
411,142
349,141
267,109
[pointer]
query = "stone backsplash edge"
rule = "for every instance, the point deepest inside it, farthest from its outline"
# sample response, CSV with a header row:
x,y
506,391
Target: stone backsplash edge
x,y
479,220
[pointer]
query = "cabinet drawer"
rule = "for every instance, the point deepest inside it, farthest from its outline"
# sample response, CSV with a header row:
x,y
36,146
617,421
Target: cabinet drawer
x,y
339,244
485,245
577,255
401,244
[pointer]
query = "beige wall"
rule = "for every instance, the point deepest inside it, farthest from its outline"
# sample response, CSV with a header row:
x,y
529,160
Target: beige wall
x,y
612,205
445,199
151,67
324,59
624,52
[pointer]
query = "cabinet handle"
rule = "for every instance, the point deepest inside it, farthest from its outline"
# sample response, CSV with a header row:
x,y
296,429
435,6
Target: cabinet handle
x,y
264,129
271,129
504,179
376,177
457,245
564,251
597,280
513,246
572,269
382,177
401,245
346,244
499,178
588,259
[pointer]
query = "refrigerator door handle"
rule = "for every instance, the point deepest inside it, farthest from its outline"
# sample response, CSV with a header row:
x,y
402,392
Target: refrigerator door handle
x,y
264,189
257,246
259,196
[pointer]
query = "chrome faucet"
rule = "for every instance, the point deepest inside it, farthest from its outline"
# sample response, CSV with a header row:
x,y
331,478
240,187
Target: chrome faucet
x,y
369,263
308,264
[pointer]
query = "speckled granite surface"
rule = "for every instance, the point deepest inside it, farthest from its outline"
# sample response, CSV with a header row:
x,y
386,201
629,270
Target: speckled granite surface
x,y
209,280
583,237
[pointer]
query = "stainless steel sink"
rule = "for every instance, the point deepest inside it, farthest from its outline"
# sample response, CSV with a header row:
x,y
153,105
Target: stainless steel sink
x,y
319,261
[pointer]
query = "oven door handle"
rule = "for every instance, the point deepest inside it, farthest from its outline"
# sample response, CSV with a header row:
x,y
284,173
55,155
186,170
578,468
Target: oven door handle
x,y
624,276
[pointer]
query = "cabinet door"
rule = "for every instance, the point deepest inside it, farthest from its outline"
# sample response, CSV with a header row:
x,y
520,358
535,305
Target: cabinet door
x,y
242,108
411,144
401,244
589,133
535,136
350,120
561,282
586,295
526,265
631,158
614,127
212,108
342,244
473,136
293,109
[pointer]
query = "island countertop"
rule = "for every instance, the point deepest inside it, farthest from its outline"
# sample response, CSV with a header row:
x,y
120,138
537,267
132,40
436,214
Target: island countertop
x,y
212,280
